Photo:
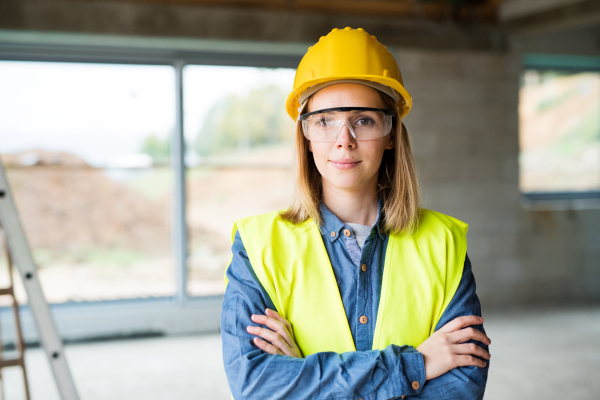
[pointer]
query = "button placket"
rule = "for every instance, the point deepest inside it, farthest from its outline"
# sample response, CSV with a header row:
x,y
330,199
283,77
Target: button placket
x,y
365,289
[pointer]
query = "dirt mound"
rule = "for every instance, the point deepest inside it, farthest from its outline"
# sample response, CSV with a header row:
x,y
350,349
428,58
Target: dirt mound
x,y
66,205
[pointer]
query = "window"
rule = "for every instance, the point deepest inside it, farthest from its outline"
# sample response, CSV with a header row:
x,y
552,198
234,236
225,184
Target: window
x,y
559,115
83,148
240,148
91,138
87,151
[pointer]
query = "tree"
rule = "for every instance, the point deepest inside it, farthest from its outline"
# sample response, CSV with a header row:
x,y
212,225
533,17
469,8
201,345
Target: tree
x,y
158,148
243,122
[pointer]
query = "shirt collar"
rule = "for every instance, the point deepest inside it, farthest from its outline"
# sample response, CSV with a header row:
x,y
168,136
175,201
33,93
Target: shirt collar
x,y
332,226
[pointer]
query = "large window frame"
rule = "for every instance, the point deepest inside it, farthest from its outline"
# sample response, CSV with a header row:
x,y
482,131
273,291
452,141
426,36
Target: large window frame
x,y
561,200
180,313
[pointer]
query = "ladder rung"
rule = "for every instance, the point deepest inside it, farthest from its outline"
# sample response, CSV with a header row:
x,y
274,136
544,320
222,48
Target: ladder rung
x,y
6,292
10,363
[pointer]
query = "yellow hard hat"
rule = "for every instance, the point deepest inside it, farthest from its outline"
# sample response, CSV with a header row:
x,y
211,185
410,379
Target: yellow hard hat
x,y
348,55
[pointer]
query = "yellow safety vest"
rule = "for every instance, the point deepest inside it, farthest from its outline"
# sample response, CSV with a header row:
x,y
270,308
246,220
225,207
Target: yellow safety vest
x,y
421,274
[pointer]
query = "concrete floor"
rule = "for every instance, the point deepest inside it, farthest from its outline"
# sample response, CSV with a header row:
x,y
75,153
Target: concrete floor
x,y
536,354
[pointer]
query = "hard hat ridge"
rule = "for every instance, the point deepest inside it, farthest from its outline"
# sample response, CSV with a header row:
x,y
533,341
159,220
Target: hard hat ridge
x,y
348,55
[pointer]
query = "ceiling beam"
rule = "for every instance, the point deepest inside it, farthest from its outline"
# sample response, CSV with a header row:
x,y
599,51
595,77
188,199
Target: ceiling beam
x,y
515,9
550,15
390,8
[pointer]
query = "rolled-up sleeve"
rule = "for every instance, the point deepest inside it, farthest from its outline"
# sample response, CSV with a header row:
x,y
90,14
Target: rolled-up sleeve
x,y
255,374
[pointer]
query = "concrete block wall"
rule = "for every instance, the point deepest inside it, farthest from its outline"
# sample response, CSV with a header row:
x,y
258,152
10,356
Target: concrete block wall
x,y
464,129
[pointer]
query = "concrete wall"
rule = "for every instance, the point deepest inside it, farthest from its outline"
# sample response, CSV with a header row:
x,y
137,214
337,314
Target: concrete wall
x,y
464,126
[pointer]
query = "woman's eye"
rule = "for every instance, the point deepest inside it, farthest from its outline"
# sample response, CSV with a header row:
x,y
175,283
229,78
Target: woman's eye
x,y
365,121
322,122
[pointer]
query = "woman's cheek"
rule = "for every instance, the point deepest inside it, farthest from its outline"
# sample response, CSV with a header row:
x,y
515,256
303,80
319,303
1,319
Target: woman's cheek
x,y
320,156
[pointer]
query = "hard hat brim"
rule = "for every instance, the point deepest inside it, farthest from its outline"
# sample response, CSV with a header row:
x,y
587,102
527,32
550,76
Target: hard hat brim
x,y
404,104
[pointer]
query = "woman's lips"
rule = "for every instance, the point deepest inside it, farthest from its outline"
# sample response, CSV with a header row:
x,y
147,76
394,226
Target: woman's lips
x,y
344,163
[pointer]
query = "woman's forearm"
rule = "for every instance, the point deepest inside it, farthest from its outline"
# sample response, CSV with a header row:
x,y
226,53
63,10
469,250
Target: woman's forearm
x,y
396,371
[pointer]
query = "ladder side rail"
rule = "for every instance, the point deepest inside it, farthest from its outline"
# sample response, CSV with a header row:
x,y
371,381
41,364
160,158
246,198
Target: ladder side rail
x,y
40,310
15,306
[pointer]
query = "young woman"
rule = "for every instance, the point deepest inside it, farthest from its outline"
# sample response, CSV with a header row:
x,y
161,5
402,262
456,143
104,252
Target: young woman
x,y
353,292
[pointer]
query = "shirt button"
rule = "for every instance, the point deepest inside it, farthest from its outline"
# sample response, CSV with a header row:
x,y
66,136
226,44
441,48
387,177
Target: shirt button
x,y
416,385
364,267
363,320
347,232
332,234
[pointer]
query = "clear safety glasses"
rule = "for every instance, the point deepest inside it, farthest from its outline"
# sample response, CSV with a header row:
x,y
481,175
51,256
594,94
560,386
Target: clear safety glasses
x,y
364,123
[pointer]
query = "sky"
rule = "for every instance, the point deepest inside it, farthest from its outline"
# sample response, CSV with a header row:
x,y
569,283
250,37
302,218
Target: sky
x,y
102,111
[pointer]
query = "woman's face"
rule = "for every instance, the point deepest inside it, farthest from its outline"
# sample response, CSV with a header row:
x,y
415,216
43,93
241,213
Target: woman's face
x,y
347,163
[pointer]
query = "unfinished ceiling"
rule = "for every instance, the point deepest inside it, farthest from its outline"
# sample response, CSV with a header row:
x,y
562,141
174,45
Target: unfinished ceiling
x,y
432,24
434,9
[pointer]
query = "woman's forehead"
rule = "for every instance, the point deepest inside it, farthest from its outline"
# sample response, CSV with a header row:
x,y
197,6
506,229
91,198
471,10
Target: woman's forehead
x,y
345,95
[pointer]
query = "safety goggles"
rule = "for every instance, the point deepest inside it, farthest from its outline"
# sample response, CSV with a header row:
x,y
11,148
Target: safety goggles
x,y
364,123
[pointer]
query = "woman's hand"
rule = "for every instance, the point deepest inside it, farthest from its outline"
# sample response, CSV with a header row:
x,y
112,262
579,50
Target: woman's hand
x,y
446,349
281,336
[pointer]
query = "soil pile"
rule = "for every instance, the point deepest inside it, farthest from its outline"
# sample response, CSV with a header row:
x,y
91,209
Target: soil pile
x,y
66,205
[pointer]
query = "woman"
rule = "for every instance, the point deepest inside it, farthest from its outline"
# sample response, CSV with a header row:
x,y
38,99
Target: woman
x,y
354,291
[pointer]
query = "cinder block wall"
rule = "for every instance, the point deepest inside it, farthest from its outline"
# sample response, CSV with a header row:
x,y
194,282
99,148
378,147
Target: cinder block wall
x,y
464,127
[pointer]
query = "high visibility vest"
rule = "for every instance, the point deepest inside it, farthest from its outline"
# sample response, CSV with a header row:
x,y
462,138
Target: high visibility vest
x,y
421,274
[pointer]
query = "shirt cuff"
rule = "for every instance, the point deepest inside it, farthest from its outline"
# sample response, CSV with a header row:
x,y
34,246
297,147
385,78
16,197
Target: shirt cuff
x,y
408,370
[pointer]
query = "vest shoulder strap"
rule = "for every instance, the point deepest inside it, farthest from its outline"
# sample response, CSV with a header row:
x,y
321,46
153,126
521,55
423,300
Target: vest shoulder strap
x,y
422,272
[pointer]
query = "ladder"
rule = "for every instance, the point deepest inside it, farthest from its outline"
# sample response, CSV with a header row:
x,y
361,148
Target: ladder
x,y
23,261
18,361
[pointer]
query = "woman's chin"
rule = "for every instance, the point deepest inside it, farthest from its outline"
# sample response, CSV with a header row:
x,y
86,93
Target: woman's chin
x,y
347,183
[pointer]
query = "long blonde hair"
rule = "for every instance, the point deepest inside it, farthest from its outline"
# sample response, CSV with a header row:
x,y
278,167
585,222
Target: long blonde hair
x,y
397,182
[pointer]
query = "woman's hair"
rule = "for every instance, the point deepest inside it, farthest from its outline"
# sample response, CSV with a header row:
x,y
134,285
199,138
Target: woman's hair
x,y
397,182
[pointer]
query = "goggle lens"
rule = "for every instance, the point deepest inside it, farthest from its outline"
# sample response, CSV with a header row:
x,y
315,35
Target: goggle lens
x,y
363,123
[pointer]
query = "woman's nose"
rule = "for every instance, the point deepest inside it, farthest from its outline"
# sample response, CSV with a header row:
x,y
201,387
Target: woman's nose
x,y
345,137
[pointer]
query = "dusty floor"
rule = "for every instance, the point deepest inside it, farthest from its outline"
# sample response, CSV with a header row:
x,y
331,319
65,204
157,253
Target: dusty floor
x,y
536,354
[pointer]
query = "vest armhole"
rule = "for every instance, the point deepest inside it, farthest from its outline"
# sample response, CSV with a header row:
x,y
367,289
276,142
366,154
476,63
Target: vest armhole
x,y
451,290
266,284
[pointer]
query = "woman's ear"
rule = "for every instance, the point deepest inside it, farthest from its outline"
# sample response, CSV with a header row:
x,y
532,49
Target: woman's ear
x,y
390,143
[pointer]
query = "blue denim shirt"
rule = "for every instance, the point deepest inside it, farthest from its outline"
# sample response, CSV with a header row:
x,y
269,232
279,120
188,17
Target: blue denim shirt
x,y
362,374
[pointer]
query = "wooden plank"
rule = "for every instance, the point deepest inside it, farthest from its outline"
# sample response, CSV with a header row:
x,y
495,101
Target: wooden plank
x,y
15,362
522,8
390,8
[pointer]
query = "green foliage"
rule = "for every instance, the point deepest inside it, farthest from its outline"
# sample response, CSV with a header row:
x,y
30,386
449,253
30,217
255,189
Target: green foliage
x,y
241,123
158,148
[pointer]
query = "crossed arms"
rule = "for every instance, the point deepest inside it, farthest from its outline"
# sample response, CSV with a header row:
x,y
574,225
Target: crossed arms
x,y
448,365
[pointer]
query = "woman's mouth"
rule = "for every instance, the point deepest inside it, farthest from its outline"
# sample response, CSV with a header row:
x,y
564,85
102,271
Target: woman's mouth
x,y
344,163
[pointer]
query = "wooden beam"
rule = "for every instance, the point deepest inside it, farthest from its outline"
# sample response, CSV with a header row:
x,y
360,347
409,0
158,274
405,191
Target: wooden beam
x,y
578,14
516,9
391,8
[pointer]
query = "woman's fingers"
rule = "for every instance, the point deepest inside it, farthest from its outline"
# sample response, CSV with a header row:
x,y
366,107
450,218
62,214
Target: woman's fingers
x,y
462,322
464,335
275,314
471,349
272,337
267,347
464,360
276,325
